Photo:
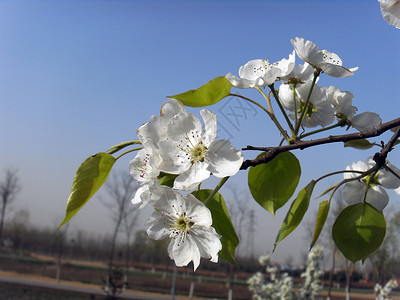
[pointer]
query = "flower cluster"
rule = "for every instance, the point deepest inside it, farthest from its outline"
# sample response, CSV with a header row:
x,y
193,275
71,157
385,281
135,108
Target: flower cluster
x,y
176,144
280,285
383,293
369,188
312,284
298,91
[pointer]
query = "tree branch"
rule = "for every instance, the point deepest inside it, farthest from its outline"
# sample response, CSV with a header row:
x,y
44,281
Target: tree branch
x,y
271,152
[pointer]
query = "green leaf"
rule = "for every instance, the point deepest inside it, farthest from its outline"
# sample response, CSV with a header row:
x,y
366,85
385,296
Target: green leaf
x,y
358,231
360,144
167,179
273,184
323,211
296,212
208,94
90,176
222,224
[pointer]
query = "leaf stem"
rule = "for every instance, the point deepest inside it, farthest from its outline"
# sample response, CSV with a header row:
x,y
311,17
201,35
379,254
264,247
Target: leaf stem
x,y
219,185
120,146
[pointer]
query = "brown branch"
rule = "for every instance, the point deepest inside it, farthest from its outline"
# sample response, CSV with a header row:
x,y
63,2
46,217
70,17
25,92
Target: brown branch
x,y
271,152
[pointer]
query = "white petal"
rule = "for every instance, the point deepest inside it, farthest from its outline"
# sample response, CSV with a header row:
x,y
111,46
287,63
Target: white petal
x,y
223,159
377,197
172,107
167,200
254,69
366,120
387,179
174,159
207,240
210,126
391,12
240,83
156,228
137,198
307,51
337,70
360,166
180,126
354,192
183,251
192,177
286,97
286,66
397,190
197,211
144,167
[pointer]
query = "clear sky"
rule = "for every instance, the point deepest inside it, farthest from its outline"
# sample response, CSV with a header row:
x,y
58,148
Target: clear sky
x,y
77,77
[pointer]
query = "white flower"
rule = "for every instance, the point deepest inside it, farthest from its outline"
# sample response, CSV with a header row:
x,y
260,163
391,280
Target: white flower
x,y
144,168
299,74
259,73
328,62
366,120
151,133
344,110
370,188
194,154
390,10
319,110
187,222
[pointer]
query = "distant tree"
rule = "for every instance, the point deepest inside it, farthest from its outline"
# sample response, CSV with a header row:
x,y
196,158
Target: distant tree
x,y
385,260
18,229
120,188
9,188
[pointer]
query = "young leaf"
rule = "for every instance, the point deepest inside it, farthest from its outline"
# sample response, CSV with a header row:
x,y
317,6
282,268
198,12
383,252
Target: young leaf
x,y
323,211
90,176
222,224
360,144
358,231
273,184
167,179
296,212
208,94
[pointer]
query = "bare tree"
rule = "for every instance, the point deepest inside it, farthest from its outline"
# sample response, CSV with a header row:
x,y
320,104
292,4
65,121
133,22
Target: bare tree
x,y
121,189
9,188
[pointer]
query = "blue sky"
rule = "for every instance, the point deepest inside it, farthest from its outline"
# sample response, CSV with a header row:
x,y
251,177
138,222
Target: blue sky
x,y
77,77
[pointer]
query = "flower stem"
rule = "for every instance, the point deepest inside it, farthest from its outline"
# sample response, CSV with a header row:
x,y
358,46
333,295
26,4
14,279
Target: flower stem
x,y
219,185
303,113
338,124
276,96
129,151
272,116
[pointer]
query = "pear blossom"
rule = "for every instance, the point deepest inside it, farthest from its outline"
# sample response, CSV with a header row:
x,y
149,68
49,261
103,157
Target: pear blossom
x,y
345,111
390,10
319,111
370,188
300,74
187,222
193,153
259,73
328,62
144,167
151,133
